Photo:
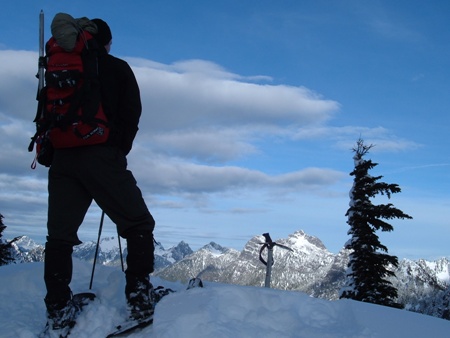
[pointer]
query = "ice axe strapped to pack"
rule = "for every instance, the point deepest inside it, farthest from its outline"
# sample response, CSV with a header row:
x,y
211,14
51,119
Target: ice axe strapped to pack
x,y
269,245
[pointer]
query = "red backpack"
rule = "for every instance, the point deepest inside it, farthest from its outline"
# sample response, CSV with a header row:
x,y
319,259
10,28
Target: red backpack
x,y
70,113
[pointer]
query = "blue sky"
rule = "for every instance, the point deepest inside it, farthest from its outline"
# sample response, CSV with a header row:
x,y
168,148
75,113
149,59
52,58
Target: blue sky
x,y
251,109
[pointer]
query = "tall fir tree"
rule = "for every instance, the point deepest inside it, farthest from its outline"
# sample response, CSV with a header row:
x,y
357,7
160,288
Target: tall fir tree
x,y
369,263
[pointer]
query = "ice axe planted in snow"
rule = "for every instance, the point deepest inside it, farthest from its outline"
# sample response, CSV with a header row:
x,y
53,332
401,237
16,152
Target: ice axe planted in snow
x,y
269,244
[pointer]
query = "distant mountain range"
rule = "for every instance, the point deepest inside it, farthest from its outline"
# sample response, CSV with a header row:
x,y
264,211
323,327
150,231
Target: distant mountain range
x,y
423,286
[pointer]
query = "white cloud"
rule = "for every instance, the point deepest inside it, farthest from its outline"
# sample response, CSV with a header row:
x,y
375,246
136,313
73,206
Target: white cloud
x,y
197,66
207,145
169,175
18,84
201,94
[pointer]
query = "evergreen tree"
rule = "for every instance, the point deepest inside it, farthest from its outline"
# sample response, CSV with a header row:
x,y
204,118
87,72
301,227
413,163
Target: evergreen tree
x,y
443,305
5,247
369,262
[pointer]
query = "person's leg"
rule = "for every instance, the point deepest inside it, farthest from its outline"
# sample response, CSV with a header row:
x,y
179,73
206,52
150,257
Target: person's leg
x,y
115,190
139,290
68,203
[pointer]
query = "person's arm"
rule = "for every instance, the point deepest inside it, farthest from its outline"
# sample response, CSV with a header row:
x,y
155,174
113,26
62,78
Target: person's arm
x,y
130,108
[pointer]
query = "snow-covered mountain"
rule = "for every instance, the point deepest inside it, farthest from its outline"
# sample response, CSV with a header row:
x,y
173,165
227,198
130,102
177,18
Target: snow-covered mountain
x,y
26,250
310,268
423,286
207,263
164,258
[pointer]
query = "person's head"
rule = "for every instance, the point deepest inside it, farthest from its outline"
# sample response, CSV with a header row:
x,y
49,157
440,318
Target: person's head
x,y
103,36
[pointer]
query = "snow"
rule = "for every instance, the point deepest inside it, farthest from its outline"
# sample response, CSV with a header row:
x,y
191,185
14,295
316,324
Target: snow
x,y
110,243
443,275
300,242
217,310
25,243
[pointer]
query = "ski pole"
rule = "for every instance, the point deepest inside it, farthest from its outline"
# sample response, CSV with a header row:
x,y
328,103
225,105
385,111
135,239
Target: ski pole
x,y
120,250
96,249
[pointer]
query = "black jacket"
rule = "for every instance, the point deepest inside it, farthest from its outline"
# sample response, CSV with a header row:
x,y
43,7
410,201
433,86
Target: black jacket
x,y
120,98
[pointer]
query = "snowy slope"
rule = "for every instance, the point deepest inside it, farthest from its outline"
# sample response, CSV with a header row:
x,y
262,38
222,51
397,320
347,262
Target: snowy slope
x,y
218,310
309,268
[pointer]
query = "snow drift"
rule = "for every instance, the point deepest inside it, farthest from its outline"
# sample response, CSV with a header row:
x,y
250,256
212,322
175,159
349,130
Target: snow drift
x,y
217,310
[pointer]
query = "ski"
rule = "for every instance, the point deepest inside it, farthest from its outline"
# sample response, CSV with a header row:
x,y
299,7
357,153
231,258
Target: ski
x,y
130,326
133,325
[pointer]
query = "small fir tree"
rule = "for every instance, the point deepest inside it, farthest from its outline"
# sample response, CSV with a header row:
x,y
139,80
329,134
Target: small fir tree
x,y
5,247
369,262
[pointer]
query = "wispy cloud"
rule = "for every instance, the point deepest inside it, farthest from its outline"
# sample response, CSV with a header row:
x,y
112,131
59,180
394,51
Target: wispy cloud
x,y
419,167
387,22
393,30
345,137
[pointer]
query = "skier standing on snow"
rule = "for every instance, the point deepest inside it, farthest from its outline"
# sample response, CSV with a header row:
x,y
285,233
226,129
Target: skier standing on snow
x,y
99,172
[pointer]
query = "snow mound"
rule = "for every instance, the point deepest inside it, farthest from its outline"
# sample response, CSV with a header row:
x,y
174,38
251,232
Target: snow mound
x,y
217,310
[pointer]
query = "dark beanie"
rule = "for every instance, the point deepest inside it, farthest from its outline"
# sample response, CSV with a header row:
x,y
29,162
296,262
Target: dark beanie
x,y
103,35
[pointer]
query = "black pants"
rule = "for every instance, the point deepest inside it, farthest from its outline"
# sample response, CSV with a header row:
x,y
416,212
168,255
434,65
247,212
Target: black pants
x,y
78,176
